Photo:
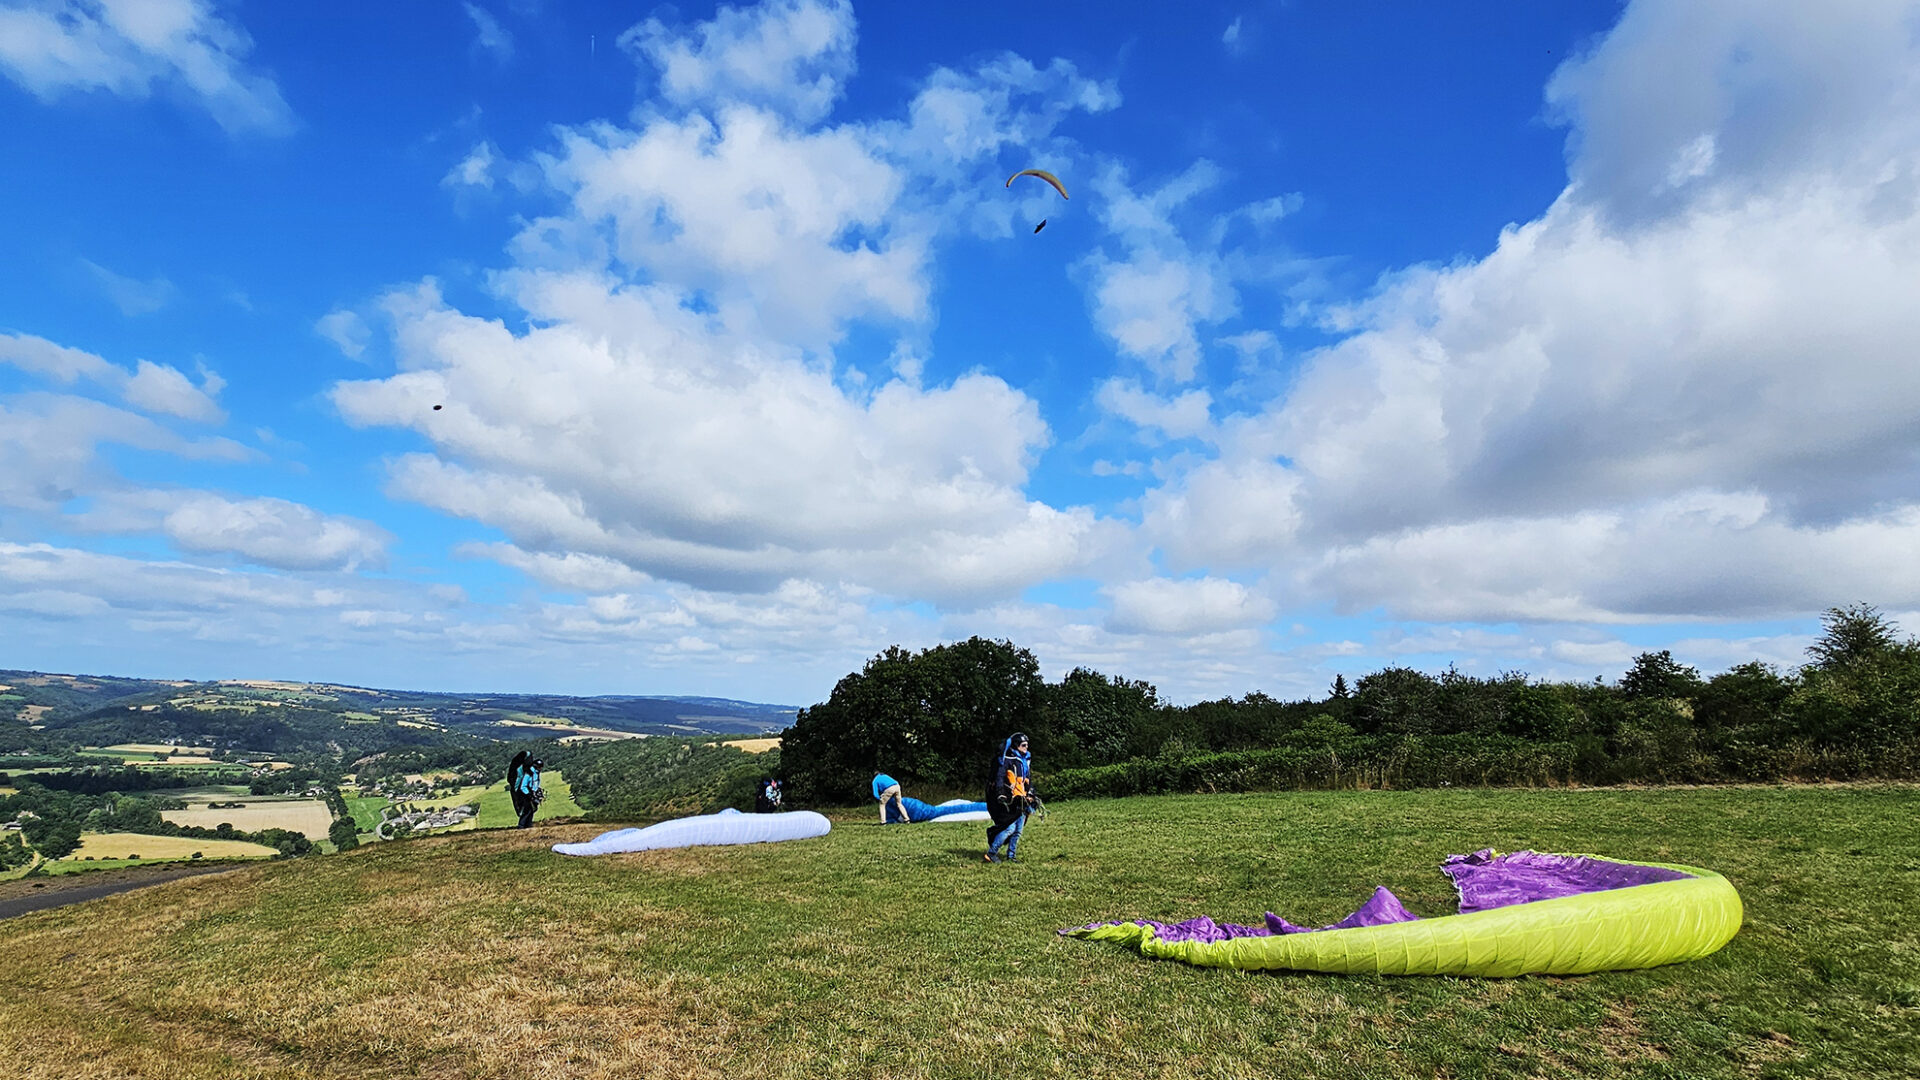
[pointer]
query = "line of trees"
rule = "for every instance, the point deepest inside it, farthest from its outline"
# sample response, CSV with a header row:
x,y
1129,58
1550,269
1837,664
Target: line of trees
x,y
937,717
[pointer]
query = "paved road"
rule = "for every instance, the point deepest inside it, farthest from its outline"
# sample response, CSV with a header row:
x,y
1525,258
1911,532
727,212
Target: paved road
x,y
21,897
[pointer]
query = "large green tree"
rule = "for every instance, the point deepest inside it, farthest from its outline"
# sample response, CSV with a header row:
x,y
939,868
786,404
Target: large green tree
x,y
934,717
1659,676
1853,635
1090,717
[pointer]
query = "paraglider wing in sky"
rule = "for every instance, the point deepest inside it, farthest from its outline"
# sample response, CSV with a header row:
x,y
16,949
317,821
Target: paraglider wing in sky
x,y
1044,175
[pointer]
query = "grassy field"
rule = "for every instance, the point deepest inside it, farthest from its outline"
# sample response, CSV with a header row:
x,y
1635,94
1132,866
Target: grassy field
x,y
894,952
309,816
754,746
496,807
112,846
366,810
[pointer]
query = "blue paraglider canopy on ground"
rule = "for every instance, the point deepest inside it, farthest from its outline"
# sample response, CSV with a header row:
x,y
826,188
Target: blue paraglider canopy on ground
x,y
956,810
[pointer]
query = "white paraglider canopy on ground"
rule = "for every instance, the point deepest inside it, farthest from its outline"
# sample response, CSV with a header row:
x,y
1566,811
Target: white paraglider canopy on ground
x,y
726,827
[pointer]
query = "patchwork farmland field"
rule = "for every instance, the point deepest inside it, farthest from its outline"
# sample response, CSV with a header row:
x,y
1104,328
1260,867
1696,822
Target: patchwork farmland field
x,y
753,746
309,816
152,848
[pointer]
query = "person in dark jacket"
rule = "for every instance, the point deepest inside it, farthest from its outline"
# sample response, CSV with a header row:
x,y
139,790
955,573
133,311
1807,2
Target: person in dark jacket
x,y
1009,798
528,787
514,769
766,798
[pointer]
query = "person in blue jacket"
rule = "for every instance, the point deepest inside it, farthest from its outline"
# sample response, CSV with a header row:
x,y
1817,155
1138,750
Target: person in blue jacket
x,y
527,788
1009,798
887,789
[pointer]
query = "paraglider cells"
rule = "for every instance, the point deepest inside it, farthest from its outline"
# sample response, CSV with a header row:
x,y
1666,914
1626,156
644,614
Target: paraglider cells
x,y
1042,225
1044,175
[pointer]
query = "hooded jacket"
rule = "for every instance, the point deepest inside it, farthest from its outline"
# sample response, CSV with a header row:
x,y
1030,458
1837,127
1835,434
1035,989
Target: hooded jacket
x,y
1012,773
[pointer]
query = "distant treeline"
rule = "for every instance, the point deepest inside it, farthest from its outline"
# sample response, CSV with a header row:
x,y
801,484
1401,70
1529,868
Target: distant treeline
x,y
100,780
937,717
466,756
286,731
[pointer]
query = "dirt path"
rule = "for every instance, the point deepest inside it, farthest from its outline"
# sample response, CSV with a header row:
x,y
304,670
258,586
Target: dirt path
x,y
37,894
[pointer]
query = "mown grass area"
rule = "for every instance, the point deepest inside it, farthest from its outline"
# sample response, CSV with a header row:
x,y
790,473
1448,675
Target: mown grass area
x,y
496,806
116,846
366,810
895,952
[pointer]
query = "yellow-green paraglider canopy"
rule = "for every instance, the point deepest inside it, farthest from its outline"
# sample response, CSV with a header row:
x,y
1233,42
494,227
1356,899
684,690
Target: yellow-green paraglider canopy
x,y
1044,175
1528,913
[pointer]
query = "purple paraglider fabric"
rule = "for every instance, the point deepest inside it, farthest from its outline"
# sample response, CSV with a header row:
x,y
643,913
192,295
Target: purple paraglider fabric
x,y
1484,879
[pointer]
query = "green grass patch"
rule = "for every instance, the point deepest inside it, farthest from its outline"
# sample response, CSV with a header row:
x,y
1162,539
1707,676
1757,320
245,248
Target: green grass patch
x,y
496,806
893,951
216,792
366,810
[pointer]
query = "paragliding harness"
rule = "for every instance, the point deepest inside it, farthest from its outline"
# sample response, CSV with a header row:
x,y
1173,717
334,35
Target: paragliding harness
x,y
1004,805
526,802
767,799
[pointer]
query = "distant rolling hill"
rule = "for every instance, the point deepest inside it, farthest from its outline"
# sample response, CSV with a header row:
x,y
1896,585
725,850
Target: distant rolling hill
x,y
101,709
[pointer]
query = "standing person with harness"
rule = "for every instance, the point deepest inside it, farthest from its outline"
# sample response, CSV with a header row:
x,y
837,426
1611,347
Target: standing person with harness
x,y
527,793
514,768
1009,798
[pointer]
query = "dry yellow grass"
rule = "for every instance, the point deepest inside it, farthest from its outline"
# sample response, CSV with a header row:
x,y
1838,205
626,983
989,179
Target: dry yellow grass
x,y
120,845
754,746
147,748
515,992
309,816
572,731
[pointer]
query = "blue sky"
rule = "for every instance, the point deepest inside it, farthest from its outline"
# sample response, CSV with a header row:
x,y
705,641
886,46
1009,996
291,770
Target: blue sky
x,y
1513,336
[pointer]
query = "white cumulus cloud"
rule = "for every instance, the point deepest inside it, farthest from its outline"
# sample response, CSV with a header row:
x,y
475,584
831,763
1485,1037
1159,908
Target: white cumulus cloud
x,y
1686,388
1186,606
670,410
129,47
